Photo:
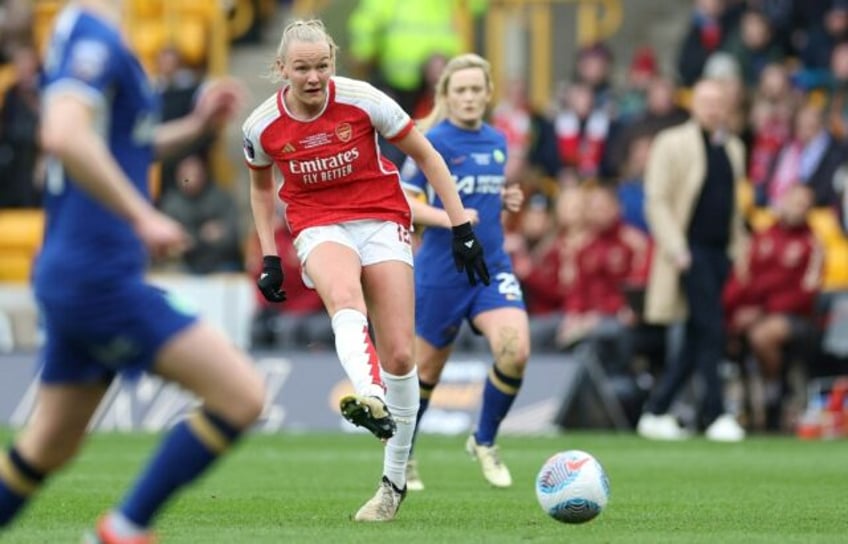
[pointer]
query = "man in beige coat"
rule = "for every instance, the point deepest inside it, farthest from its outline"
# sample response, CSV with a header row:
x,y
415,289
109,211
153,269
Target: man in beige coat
x,y
691,181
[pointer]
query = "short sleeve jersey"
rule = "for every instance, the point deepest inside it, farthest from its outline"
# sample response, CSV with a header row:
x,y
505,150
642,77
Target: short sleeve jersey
x,y
476,159
332,167
87,248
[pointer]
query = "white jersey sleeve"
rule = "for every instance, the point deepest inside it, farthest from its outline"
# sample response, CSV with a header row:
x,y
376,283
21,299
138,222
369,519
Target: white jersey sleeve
x,y
253,127
386,115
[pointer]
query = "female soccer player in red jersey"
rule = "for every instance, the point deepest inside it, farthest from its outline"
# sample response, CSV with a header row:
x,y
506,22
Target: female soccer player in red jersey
x,y
351,220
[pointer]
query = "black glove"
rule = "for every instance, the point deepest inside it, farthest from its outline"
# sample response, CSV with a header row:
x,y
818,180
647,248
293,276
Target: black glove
x,y
270,281
468,254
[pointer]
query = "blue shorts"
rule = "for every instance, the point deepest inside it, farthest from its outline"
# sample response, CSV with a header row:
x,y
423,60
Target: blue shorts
x,y
121,330
439,311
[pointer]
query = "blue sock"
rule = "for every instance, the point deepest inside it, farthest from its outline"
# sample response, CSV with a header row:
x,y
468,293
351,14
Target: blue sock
x,y
185,454
425,392
498,393
18,481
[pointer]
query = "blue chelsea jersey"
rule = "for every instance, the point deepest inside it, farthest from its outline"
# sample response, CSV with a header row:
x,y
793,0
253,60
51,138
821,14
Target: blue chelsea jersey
x,y
87,247
476,159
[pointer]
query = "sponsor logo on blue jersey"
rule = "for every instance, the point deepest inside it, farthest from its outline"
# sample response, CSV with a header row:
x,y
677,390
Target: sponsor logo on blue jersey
x,y
482,184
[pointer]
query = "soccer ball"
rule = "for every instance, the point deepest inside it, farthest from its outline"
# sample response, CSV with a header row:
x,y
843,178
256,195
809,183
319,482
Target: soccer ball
x,y
572,487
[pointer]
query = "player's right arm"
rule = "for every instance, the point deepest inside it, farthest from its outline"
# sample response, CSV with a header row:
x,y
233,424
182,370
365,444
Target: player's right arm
x,y
263,196
263,202
423,213
68,134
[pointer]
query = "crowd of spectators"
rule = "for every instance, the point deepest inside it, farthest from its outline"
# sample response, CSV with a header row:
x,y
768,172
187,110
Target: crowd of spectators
x,y
784,66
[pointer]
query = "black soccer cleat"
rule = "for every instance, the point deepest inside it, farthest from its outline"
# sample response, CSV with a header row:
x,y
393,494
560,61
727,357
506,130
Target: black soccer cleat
x,y
370,413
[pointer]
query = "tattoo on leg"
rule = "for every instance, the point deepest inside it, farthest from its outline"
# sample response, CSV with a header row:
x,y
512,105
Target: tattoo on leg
x,y
507,351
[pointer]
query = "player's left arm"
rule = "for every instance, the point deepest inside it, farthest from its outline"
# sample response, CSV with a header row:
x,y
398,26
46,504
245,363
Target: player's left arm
x,y
218,103
68,133
424,213
430,216
467,251
431,163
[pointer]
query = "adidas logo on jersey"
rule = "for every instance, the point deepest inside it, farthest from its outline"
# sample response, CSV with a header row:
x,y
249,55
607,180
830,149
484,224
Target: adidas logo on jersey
x,y
288,148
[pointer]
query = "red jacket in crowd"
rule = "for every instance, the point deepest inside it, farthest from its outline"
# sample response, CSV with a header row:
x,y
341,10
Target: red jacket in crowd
x,y
609,261
765,148
581,142
784,267
547,282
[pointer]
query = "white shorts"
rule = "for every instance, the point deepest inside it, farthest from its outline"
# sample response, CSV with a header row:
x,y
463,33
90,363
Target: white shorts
x,y
373,240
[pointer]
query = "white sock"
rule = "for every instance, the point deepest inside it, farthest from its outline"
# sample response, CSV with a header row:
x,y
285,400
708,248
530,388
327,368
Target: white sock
x,y
123,527
402,400
357,353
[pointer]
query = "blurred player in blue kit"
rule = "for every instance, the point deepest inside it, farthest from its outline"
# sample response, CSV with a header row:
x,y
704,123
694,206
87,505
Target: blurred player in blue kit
x,y
101,318
476,155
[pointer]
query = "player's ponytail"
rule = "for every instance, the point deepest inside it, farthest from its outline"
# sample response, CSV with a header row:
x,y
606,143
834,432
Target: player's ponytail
x,y
301,30
440,108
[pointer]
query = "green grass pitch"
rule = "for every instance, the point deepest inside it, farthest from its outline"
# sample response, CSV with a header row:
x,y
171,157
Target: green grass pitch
x,y
304,488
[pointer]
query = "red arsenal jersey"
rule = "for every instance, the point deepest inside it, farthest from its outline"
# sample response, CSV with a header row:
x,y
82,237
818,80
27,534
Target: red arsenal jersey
x,y
784,269
608,262
332,167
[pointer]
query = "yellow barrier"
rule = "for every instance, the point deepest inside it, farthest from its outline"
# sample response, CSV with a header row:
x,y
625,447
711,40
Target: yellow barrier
x,y
7,79
596,20
308,8
22,231
198,28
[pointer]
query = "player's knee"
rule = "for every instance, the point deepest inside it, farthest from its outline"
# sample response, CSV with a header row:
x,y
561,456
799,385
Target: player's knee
x,y
512,367
512,357
50,451
522,355
60,457
399,360
342,296
245,406
429,371
253,403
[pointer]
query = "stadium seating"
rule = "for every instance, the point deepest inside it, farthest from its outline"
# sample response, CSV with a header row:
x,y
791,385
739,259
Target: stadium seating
x,y
22,231
197,27
43,14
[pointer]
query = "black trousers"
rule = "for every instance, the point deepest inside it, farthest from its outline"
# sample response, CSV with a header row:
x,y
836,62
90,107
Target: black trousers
x,y
704,339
